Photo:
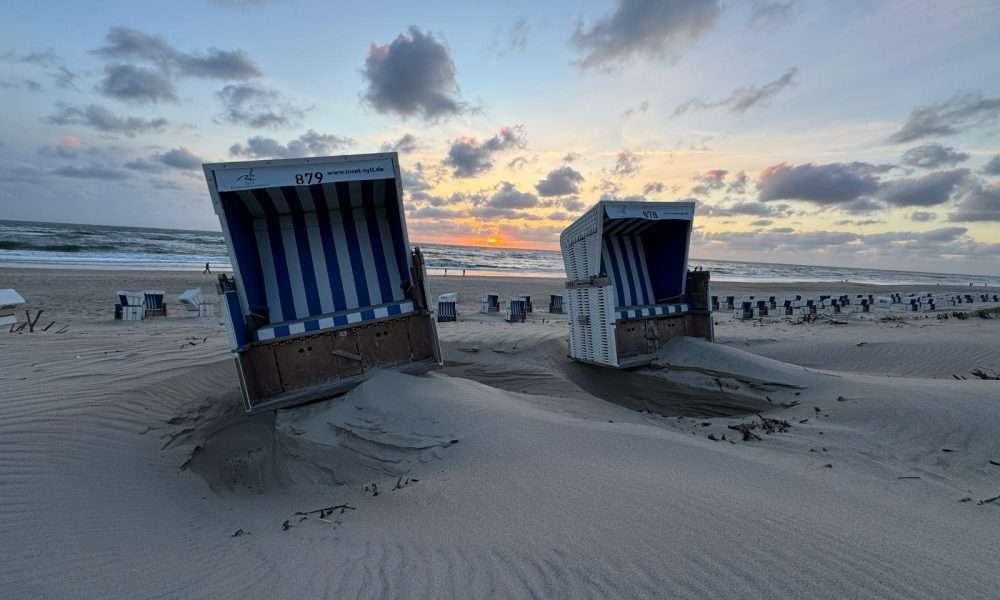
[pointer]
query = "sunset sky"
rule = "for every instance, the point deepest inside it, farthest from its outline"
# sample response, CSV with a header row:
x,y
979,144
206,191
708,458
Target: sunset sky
x,y
821,132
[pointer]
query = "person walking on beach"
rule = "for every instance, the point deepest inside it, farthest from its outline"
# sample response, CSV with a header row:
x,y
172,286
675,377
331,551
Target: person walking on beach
x,y
208,270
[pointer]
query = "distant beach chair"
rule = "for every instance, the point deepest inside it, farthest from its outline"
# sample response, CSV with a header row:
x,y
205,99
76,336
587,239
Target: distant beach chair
x,y
326,289
490,303
194,303
629,287
446,309
517,310
10,300
527,302
555,304
154,304
131,306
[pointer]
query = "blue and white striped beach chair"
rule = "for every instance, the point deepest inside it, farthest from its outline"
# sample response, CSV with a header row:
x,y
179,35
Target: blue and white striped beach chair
x,y
446,309
556,304
154,304
325,287
131,306
517,310
490,304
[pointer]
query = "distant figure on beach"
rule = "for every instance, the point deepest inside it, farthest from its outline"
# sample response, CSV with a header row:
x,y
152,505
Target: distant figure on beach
x,y
463,272
208,270
446,272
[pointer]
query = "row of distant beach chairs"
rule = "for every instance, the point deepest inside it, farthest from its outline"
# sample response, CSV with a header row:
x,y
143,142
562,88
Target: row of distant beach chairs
x,y
136,306
749,307
517,308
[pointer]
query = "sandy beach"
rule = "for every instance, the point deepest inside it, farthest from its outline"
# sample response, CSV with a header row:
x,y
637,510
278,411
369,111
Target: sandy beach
x,y
861,464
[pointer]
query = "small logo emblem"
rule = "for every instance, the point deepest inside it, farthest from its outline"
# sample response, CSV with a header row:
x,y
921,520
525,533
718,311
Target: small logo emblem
x,y
247,178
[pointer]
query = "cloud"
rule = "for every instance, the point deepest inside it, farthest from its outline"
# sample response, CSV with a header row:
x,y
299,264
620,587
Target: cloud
x,y
91,172
309,143
933,156
922,216
709,181
859,222
518,162
627,163
102,119
761,222
137,85
738,183
508,196
412,75
257,106
644,28
979,203
573,204
634,110
468,157
744,208
929,190
742,99
69,148
130,44
992,167
766,15
654,187
31,85
560,182
959,113
433,212
517,39
826,185
406,143
180,158
571,156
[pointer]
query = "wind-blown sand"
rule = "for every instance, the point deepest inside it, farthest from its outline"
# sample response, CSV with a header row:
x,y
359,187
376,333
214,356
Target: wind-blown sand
x,y
126,466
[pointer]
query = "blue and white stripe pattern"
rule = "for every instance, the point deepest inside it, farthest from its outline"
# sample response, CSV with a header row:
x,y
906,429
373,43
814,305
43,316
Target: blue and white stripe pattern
x,y
635,312
271,332
330,253
624,260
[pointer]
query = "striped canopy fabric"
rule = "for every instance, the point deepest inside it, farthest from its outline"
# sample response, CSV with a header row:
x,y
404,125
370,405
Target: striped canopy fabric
x,y
316,255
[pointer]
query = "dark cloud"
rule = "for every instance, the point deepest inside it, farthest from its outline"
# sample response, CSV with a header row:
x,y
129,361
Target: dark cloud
x,y
979,203
766,15
309,143
60,151
406,143
738,183
571,156
744,208
412,75
129,44
957,114
859,222
827,185
742,99
922,216
31,85
761,222
627,163
508,196
433,212
648,28
563,181
102,119
933,156
992,167
180,158
137,85
573,204
469,157
655,187
258,107
929,190
49,62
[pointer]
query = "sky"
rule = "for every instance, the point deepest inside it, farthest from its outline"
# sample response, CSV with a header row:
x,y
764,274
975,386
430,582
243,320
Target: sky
x,y
850,133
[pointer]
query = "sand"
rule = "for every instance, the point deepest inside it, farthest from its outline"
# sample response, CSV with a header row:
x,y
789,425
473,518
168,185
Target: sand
x,y
128,471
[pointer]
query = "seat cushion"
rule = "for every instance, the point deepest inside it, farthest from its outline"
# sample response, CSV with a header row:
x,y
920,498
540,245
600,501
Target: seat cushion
x,y
333,320
651,310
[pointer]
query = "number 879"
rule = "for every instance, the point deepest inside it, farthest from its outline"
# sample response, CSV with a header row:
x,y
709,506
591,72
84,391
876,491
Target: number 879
x,y
309,178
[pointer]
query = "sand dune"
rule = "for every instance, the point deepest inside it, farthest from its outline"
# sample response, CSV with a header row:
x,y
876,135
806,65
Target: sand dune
x,y
127,468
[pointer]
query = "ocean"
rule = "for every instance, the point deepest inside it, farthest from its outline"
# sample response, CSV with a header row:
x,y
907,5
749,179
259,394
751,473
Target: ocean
x,y
99,246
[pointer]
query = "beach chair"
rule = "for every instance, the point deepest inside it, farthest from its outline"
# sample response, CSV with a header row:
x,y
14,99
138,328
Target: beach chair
x,y
153,303
446,310
555,304
517,310
194,304
490,304
10,300
628,284
131,306
325,289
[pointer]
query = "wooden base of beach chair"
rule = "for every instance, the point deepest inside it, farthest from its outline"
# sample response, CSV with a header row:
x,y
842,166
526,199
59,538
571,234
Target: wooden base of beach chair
x,y
639,340
314,366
